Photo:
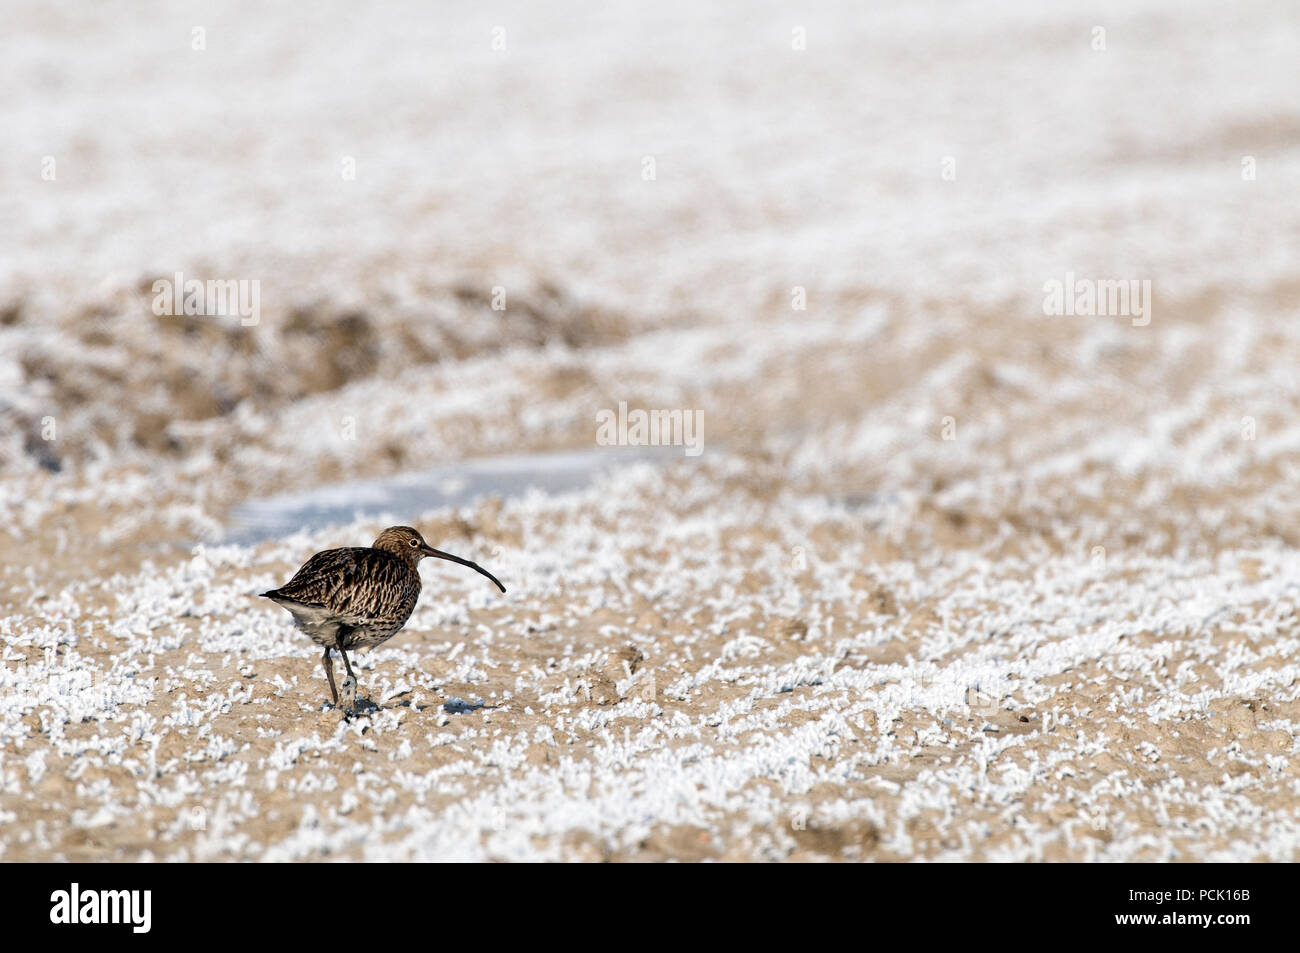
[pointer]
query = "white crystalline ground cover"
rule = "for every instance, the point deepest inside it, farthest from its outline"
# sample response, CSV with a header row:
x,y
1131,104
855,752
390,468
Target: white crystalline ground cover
x,y
773,167
744,743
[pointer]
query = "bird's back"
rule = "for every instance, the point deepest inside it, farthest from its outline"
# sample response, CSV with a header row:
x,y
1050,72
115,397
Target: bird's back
x,y
358,584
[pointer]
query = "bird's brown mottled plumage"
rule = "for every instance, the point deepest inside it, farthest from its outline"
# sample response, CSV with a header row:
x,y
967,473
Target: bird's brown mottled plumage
x,y
368,594
359,597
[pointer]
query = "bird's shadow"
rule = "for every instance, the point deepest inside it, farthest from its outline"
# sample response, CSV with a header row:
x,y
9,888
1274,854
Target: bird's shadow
x,y
452,706
362,706
458,706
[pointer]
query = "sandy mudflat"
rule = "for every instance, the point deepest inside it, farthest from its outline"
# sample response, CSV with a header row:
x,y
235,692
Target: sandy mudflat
x,y
952,578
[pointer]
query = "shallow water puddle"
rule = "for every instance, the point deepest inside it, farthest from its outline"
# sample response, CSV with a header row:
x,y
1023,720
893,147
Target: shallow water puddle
x,y
409,493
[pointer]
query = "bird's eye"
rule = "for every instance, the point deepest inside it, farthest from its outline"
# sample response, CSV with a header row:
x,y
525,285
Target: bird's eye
x,y
415,542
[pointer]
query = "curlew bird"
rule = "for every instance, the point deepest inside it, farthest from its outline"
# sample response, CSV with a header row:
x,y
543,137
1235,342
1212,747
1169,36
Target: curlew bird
x,y
359,597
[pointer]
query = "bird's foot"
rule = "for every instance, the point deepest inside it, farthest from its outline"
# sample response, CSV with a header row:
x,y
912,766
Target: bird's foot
x,y
348,695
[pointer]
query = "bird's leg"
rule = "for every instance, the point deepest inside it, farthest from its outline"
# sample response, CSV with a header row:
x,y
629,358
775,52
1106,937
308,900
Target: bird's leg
x,y
329,673
349,683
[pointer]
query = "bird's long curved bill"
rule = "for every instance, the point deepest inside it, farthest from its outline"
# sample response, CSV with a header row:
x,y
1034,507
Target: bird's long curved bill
x,y
430,551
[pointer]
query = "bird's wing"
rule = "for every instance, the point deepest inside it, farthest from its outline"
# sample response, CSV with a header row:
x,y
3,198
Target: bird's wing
x,y
356,584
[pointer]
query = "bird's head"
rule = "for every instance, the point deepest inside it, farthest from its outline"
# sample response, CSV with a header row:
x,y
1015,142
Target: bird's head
x,y
406,543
